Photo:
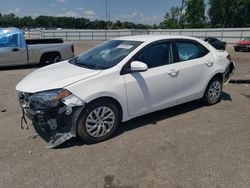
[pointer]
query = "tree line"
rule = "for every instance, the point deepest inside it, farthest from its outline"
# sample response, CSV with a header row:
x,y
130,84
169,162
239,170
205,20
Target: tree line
x,y
193,14
220,13
51,22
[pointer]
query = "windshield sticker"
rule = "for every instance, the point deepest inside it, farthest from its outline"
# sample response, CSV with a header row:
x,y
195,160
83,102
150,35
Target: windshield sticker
x,y
124,46
105,53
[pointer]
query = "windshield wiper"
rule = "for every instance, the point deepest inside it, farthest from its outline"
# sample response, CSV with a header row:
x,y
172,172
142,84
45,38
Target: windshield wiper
x,y
75,61
87,65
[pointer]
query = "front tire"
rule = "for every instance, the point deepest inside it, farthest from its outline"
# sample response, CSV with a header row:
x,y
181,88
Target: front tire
x,y
98,121
213,92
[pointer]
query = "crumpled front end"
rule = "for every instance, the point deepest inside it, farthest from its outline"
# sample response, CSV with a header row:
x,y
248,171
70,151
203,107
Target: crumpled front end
x,y
53,113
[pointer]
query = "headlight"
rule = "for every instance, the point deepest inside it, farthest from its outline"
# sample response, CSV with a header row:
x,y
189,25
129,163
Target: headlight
x,y
48,99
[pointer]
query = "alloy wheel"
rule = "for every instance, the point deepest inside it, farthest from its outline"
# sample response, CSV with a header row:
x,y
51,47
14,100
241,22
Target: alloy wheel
x,y
100,121
214,91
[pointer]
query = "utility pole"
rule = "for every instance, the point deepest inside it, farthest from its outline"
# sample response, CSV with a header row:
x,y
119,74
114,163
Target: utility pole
x,y
181,17
106,14
106,10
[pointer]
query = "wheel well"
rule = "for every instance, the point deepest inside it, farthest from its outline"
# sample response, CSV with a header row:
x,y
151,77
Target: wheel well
x,y
218,75
47,54
114,101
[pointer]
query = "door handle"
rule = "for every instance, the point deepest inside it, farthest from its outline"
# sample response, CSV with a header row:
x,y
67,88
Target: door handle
x,y
15,49
173,72
209,63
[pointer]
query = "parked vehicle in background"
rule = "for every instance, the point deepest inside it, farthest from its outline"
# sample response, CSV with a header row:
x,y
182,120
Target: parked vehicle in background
x,y
243,45
121,79
218,44
15,50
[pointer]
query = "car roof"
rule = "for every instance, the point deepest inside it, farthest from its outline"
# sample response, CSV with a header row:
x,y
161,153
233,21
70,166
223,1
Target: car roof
x,y
151,38
9,30
211,38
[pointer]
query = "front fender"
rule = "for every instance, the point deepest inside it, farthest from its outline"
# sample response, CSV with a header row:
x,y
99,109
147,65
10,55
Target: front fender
x,y
111,95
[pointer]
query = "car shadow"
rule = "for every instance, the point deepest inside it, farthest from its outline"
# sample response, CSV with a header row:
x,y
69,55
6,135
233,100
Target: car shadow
x,y
17,67
226,97
149,119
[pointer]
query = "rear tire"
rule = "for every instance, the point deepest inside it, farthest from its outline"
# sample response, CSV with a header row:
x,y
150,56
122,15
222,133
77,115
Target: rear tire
x,y
213,92
98,121
55,58
50,58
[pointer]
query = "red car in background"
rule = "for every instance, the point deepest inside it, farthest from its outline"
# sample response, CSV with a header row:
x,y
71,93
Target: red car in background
x,y
243,45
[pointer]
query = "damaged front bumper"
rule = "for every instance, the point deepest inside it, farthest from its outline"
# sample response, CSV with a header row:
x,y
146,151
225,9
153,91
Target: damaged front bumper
x,y
54,123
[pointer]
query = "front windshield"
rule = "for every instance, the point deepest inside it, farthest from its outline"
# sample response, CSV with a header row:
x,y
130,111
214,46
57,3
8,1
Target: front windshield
x,y
247,39
106,55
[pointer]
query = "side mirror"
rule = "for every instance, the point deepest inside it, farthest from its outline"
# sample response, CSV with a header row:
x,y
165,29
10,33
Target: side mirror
x,y
138,66
15,49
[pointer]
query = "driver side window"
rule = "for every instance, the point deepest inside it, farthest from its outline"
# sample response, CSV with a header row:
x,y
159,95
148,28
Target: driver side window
x,y
157,55
10,40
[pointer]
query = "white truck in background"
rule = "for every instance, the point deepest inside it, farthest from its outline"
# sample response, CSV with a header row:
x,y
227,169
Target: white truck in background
x,y
15,50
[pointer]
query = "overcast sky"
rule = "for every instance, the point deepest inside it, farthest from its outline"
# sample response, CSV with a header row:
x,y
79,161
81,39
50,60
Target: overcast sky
x,y
138,11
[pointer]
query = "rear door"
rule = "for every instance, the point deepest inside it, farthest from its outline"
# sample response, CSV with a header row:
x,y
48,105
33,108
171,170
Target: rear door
x,y
11,53
195,68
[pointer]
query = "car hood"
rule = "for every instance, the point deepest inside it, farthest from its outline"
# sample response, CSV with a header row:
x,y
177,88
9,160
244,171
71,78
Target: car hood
x,y
54,76
244,42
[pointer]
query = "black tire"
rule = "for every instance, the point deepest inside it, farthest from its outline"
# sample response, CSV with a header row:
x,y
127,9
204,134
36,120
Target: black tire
x,y
55,58
211,91
82,129
50,58
236,49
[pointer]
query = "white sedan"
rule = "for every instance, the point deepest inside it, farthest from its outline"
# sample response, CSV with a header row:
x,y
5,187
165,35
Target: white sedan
x,y
118,80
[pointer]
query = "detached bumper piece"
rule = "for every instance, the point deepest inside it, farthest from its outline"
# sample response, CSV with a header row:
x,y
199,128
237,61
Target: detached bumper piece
x,y
229,72
55,124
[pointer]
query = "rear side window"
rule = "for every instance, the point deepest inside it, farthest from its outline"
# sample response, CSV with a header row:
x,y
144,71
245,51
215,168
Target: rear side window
x,y
156,55
190,50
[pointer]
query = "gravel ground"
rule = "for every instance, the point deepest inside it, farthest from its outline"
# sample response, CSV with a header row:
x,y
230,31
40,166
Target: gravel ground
x,y
186,146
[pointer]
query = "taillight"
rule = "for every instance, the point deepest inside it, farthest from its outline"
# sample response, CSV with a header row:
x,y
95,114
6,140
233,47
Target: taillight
x,y
72,48
229,58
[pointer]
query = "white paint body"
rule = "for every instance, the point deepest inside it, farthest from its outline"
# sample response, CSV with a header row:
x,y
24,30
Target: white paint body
x,y
138,93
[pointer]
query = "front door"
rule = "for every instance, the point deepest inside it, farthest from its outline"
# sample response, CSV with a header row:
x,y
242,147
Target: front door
x,y
157,87
11,52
